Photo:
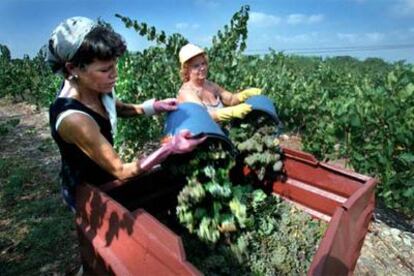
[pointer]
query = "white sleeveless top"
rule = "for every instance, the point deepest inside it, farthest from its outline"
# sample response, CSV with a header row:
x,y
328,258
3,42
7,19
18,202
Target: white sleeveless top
x,y
212,107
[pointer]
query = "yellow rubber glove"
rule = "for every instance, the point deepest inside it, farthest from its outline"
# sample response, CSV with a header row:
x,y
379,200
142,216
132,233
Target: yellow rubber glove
x,y
247,93
231,112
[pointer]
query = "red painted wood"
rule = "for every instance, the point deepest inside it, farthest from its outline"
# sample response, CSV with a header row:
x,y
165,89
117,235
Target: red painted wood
x,y
126,243
121,241
322,178
309,199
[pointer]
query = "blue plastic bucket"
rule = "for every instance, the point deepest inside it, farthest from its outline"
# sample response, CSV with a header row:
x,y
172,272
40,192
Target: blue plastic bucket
x,y
261,103
195,118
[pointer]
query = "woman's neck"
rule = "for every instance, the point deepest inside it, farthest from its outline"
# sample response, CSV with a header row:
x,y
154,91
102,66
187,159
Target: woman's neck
x,y
199,83
71,90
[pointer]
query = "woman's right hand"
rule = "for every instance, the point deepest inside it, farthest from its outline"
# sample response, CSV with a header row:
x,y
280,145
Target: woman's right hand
x,y
165,105
153,106
180,143
183,142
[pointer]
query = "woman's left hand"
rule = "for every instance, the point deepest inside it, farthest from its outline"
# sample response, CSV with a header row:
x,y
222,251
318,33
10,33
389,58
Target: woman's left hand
x,y
165,105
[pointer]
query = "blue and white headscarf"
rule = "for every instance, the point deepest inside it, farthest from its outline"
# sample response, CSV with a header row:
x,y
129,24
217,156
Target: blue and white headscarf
x,y
66,39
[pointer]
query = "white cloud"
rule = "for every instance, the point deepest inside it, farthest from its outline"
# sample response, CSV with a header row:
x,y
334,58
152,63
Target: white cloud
x,y
362,39
315,18
404,8
374,37
300,38
326,43
352,38
181,26
298,18
186,26
263,20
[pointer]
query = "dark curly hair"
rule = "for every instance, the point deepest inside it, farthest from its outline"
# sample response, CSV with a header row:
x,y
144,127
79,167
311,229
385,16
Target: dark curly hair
x,y
101,43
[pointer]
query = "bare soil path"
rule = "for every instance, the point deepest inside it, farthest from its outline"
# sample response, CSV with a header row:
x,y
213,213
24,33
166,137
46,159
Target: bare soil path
x,y
37,232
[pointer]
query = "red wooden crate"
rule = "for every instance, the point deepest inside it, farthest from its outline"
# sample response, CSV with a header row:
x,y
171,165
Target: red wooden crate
x,y
119,235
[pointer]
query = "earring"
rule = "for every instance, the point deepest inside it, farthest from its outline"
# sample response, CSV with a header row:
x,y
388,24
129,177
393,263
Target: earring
x,y
73,77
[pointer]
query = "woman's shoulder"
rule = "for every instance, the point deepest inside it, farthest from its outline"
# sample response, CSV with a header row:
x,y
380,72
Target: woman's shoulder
x,y
212,85
63,103
186,89
183,93
187,93
185,86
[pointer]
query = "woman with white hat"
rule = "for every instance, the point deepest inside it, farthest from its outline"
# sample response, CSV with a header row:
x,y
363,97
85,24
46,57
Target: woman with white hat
x,y
83,116
220,103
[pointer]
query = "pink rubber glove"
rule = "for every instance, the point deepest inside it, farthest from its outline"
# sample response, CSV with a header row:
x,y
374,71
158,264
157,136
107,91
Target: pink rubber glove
x,y
180,143
183,143
165,105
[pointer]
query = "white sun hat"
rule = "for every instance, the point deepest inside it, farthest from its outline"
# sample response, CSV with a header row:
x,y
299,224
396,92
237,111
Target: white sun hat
x,y
189,51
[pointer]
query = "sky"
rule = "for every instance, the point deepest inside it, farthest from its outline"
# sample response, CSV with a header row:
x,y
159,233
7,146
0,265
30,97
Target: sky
x,y
358,28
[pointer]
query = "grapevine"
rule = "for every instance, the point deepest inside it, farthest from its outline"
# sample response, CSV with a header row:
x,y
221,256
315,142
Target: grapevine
x,y
343,108
233,218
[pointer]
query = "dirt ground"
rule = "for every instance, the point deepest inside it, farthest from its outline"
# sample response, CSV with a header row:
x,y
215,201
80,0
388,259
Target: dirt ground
x,y
36,208
388,246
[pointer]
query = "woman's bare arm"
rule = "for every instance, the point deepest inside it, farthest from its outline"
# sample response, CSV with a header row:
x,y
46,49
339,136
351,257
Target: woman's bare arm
x,y
84,132
226,97
128,110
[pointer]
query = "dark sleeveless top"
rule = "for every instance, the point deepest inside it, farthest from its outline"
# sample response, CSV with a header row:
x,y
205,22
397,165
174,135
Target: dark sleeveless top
x,y
77,167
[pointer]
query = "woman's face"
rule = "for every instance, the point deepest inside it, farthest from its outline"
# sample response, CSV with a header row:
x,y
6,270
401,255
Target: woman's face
x,y
197,68
99,76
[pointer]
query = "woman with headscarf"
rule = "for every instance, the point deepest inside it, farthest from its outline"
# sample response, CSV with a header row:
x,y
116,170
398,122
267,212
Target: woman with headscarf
x,y
220,103
83,116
